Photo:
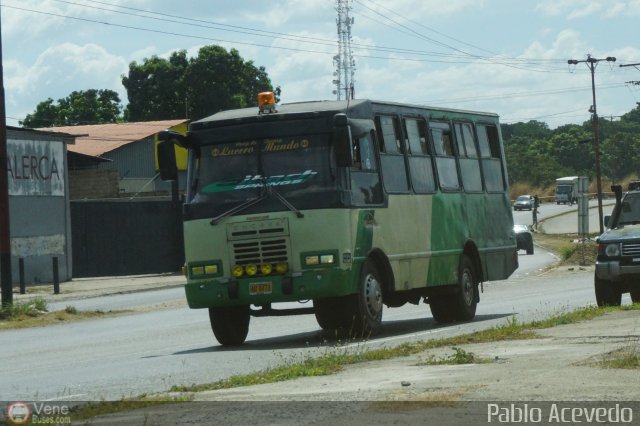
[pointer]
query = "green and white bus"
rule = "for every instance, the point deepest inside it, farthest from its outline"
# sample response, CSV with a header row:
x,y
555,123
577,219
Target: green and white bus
x,y
350,204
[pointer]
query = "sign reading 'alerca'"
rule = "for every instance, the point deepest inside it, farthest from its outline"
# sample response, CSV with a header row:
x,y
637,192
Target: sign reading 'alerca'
x,y
35,167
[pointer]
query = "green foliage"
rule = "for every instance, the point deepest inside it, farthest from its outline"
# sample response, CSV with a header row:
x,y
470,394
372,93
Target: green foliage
x,y
192,88
32,308
80,107
537,155
156,88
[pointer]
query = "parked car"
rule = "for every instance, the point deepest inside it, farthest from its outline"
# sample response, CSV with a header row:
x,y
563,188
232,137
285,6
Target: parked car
x,y
523,202
524,238
618,263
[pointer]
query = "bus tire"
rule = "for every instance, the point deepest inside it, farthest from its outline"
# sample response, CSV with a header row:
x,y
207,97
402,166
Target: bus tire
x,y
230,325
460,306
366,305
441,309
465,300
607,293
332,313
635,295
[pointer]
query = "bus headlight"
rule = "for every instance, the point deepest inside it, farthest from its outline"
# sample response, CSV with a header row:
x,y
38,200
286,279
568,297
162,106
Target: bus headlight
x,y
327,259
324,259
282,267
208,269
251,269
237,271
312,260
266,268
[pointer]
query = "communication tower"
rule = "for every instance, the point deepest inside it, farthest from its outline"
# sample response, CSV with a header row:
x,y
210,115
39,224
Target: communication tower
x,y
345,65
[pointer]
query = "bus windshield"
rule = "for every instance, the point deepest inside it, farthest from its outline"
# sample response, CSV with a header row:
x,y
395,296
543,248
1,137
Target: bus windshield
x,y
299,168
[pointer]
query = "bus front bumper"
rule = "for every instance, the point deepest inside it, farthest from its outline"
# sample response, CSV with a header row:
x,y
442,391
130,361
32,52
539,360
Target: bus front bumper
x,y
269,289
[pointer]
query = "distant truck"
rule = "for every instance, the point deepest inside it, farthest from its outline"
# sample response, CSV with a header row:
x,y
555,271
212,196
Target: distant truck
x,y
567,190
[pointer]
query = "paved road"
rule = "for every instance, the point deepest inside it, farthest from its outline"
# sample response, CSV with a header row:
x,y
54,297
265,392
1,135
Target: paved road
x,y
563,219
149,352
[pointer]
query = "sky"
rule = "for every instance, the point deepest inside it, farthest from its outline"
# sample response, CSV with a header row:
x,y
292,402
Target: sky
x,y
503,56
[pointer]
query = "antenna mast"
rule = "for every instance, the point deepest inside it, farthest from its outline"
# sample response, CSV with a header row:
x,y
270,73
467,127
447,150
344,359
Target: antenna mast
x,y
345,65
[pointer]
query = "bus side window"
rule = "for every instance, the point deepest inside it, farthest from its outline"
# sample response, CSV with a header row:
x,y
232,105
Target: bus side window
x,y
445,155
363,154
388,128
420,165
491,159
469,162
392,163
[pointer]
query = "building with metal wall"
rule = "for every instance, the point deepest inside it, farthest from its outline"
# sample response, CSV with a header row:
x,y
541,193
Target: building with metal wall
x,y
39,214
128,148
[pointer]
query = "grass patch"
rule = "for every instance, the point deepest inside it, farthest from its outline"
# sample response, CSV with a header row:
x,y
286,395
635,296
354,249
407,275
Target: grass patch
x,y
335,359
21,310
100,408
459,357
34,313
626,358
566,247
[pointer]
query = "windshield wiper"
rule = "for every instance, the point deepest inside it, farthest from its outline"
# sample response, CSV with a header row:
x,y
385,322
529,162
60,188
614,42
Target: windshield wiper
x,y
239,208
269,190
272,191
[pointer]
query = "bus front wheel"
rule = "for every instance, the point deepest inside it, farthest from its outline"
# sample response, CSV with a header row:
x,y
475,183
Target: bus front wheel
x,y
230,325
332,313
366,305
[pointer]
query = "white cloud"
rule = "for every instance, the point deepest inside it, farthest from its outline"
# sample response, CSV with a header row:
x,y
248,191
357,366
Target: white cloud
x,y
61,69
575,9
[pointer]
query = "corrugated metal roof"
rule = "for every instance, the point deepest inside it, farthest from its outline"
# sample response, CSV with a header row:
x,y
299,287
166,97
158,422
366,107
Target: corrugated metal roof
x,y
98,139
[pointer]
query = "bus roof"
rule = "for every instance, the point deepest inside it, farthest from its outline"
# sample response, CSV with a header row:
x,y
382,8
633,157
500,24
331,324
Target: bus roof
x,y
357,108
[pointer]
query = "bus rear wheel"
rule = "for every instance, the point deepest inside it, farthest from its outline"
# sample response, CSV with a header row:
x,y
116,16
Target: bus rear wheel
x,y
230,325
635,295
460,306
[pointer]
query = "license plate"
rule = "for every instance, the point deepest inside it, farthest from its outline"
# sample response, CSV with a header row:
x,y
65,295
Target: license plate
x,y
260,288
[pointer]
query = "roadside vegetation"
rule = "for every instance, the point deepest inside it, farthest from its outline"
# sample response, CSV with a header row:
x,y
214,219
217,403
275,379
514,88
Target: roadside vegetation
x,y
569,248
335,358
35,313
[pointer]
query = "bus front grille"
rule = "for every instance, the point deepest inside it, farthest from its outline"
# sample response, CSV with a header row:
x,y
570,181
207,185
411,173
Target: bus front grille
x,y
260,251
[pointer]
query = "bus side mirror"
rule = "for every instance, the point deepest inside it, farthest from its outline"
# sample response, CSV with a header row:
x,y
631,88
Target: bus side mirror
x,y
166,152
167,160
342,140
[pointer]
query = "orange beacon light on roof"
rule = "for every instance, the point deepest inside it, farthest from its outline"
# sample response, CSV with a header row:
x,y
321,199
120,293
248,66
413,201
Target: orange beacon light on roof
x,y
266,102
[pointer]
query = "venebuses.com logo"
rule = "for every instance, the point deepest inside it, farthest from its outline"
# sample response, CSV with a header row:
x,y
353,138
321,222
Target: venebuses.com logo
x,y
18,413
35,413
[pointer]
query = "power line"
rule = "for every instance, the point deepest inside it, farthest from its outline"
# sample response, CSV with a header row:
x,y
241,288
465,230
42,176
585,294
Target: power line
x,y
272,35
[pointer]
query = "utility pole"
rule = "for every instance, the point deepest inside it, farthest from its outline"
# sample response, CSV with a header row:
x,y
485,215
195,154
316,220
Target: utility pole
x,y
344,75
637,83
6,286
591,64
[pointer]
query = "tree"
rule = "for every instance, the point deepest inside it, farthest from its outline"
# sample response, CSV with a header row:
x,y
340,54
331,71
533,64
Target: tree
x,y
156,88
213,81
80,107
